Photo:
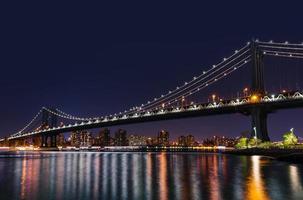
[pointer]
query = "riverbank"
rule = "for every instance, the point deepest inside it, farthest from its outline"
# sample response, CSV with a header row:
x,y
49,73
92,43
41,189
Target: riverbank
x,y
288,155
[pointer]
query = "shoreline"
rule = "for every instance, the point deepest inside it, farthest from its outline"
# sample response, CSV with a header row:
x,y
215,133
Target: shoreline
x,y
287,155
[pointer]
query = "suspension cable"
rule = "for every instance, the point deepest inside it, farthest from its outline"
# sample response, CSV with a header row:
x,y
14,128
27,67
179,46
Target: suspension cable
x,y
196,80
207,83
27,125
282,52
281,47
283,55
280,43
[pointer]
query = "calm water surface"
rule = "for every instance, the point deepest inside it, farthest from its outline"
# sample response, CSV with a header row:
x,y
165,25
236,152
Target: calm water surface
x,y
59,175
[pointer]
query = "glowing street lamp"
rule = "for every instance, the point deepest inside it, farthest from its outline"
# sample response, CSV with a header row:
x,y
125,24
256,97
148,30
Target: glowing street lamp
x,y
255,130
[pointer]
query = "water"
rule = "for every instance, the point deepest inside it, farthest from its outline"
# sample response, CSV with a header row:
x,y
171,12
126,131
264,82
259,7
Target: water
x,y
59,175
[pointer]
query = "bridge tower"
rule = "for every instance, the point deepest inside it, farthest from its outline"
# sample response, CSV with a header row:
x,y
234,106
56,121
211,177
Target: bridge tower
x,y
258,113
49,120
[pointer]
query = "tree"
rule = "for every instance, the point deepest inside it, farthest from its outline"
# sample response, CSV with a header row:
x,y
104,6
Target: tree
x,y
242,143
253,142
289,138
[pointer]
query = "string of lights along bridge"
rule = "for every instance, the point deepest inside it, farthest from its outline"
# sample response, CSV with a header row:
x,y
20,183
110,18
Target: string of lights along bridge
x,y
258,104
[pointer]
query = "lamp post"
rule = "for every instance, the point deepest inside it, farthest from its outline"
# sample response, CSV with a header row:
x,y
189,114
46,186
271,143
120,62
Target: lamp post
x,y
255,130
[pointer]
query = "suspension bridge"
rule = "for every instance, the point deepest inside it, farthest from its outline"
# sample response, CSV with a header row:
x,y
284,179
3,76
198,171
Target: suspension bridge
x,y
256,103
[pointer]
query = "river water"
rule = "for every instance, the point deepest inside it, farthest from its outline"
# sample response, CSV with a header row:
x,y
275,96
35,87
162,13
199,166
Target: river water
x,y
89,175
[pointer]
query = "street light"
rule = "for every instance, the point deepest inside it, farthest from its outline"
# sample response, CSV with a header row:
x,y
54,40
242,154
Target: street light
x,y
255,130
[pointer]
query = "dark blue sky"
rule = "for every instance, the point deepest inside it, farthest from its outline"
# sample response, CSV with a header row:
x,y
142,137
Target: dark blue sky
x,y
94,59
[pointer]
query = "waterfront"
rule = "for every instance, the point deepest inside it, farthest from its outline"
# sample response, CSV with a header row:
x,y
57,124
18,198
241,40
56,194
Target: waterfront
x,y
100,175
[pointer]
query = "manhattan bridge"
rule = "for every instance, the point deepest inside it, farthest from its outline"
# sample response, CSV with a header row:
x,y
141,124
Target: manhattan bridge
x,y
256,103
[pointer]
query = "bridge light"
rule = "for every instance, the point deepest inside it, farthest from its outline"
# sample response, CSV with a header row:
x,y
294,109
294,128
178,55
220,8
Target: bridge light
x,y
283,91
254,98
214,66
213,97
204,72
195,78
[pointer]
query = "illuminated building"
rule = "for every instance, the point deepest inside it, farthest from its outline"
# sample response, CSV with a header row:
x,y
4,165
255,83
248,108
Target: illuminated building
x,y
75,139
152,141
220,141
137,140
163,138
83,138
190,141
182,141
86,139
187,141
104,137
121,138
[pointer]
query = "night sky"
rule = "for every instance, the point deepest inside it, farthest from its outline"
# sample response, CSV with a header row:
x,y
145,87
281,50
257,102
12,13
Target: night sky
x,y
96,59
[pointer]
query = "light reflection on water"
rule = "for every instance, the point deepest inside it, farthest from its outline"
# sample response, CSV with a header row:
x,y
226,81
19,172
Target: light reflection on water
x,y
146,176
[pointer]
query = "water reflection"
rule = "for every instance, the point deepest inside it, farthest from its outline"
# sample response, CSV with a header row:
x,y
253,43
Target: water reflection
x,y
255,185
147,176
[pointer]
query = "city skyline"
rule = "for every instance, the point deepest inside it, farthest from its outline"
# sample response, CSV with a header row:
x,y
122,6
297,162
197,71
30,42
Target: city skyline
x,y
106,72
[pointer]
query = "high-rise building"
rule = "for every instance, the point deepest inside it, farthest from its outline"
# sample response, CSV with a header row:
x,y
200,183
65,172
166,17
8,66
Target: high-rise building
x,y
187,141
104,137
137,140
86,139
163,138
190,141
121,138
75,139
60,140
182,141
152,141
83,138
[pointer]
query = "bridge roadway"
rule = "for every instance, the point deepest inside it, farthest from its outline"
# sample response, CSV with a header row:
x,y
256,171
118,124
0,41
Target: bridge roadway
x,y
242,105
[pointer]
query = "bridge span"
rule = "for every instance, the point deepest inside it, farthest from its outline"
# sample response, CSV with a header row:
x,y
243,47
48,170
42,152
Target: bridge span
x,y
258,104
